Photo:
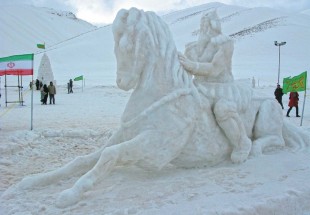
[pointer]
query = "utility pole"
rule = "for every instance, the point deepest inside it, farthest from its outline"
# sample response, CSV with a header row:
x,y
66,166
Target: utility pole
x,y
279,44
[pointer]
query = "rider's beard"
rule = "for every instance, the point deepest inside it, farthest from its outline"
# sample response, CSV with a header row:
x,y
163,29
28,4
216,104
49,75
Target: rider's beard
x,y
202,43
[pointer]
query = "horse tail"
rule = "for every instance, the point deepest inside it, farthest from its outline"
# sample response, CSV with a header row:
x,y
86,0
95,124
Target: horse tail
x,y
295,137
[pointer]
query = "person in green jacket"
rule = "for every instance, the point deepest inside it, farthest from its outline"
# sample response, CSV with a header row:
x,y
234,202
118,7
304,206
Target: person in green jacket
x,y
52,92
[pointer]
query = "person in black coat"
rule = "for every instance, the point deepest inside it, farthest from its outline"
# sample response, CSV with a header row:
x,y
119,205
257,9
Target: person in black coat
x,y
45,93
278,94
37,84
70,86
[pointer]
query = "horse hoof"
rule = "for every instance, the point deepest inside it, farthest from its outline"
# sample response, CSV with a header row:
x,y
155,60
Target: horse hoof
x,y
239,157
241,153
67,198
256,150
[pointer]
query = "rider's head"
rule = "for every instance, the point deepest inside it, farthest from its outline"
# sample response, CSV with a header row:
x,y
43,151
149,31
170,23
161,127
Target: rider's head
x,y
210,22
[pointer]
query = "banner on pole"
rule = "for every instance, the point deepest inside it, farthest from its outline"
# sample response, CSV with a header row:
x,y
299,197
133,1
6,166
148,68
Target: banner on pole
x,y
295,84
41,46
17,65
79,78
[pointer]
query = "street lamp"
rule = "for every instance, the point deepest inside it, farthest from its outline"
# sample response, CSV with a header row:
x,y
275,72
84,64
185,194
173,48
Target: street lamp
x,y
279,44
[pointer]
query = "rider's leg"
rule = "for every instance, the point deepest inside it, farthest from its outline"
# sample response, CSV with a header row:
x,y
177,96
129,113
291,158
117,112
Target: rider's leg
x,y
229,120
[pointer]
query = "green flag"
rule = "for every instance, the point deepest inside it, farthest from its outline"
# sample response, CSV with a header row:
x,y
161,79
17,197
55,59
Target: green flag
x,y
296,83
79,78
41,46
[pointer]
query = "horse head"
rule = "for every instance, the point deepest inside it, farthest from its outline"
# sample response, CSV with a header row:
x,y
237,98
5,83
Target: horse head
x,y
143,47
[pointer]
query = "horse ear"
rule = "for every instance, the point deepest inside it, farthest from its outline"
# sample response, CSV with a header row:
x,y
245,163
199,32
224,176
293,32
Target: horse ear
x,y
119,24
133,15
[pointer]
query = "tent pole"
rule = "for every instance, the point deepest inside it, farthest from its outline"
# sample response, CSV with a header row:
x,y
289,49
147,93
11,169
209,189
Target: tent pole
x,y
31,120
21,89
18,89
6,93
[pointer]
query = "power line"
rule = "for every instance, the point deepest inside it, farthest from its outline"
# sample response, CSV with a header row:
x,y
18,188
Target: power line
x,y
50,48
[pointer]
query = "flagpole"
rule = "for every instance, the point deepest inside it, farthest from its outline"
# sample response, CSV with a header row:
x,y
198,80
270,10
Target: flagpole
x,y
303,107
31,124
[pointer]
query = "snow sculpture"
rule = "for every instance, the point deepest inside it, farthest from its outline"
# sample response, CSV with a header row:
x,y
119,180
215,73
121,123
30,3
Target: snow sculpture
x,y
167,119
45,74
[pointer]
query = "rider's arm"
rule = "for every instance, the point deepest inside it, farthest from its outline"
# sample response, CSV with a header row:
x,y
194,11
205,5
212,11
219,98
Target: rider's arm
x,y
195,68
222,56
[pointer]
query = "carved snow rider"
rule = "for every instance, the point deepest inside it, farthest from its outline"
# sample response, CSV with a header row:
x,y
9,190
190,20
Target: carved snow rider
x,y
209,59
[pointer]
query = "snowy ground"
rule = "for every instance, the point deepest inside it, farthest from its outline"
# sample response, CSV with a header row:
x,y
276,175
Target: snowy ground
x,y
79,123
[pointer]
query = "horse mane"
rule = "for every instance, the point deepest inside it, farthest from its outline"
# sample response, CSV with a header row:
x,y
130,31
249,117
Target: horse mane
x,y
136,30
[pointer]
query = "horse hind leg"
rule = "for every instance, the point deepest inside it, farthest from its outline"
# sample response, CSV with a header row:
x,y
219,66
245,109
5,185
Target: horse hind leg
x,y
148,148
73,195
267,130
79,165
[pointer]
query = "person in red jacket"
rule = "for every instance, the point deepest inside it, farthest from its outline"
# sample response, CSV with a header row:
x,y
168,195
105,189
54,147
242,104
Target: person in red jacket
x,y
294,98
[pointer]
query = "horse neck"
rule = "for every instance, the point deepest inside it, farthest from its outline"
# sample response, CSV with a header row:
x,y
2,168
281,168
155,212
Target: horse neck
x,y
160,79
164,76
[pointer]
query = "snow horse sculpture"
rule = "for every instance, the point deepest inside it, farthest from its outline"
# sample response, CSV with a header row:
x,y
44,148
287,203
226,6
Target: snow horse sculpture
x,y
166,120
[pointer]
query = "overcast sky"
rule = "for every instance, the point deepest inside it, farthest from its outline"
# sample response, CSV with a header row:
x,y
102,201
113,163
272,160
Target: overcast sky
x,y
100,12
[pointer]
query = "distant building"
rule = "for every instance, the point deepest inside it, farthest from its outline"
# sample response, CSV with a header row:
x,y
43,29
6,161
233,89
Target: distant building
x,y
45,73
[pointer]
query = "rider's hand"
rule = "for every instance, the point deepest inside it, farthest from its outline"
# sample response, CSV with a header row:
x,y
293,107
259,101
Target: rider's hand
x,y
188,65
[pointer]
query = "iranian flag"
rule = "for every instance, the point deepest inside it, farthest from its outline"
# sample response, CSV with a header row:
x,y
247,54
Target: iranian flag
x,y
17,65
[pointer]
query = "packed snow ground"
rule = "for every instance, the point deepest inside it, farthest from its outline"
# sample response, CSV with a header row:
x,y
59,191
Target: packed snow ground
x,y
80,123
275,183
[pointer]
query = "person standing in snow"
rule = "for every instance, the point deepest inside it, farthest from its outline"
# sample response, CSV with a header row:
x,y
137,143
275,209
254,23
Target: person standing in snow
x,y
278,94
253,82
40,84
44,94
71,86
52,92
37,84
294,98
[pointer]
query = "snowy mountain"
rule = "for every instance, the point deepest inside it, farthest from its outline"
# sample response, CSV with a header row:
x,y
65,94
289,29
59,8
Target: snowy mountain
x,y
76,47
24,26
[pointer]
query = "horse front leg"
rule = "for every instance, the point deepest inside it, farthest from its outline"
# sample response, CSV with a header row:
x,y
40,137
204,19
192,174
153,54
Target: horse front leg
x,y
150,148
79,165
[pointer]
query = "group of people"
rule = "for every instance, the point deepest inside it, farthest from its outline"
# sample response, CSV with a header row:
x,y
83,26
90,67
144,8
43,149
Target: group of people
x,y
50,90
46,91
293,100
